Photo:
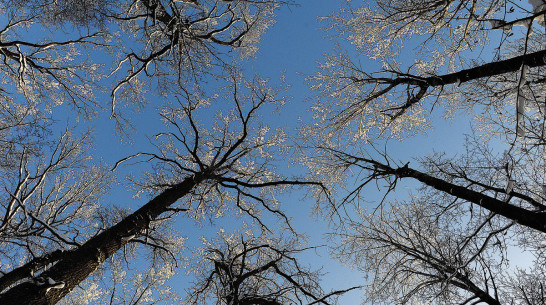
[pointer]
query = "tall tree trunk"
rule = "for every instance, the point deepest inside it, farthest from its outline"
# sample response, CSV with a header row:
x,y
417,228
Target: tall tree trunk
x,y
80,263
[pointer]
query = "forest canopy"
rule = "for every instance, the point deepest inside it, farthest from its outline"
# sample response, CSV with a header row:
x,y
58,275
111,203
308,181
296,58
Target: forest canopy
x,y
142,140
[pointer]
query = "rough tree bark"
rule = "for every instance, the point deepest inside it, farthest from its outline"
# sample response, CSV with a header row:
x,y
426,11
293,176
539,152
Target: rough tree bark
x,y
70,270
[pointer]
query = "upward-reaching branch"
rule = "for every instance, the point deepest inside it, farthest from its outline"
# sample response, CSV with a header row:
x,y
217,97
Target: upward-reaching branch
x,y
258,270
535,59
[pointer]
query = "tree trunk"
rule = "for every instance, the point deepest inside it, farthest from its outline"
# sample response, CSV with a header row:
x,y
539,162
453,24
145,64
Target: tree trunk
x,y
76,267
535,220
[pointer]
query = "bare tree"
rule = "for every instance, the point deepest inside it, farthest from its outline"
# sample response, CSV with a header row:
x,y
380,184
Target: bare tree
x,y
447,243
448,69
55,229
88,47
47,203
228,165
256,270
420,255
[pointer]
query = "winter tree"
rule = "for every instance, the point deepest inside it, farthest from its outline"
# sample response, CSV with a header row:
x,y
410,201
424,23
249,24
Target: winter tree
x,y
171,44
211,170
448,242
244,269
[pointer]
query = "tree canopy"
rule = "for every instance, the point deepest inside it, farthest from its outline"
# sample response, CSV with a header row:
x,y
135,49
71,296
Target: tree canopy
x,y
177,76
448,242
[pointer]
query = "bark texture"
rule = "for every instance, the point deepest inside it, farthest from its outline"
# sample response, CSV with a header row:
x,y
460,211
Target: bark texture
x,y
80,263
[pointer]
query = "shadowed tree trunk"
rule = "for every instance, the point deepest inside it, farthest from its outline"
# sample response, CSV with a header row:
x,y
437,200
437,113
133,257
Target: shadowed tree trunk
x,y
72,269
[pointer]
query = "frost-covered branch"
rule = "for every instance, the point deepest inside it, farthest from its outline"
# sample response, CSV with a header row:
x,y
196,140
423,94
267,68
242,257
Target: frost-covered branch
x,y
256,270
197,166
